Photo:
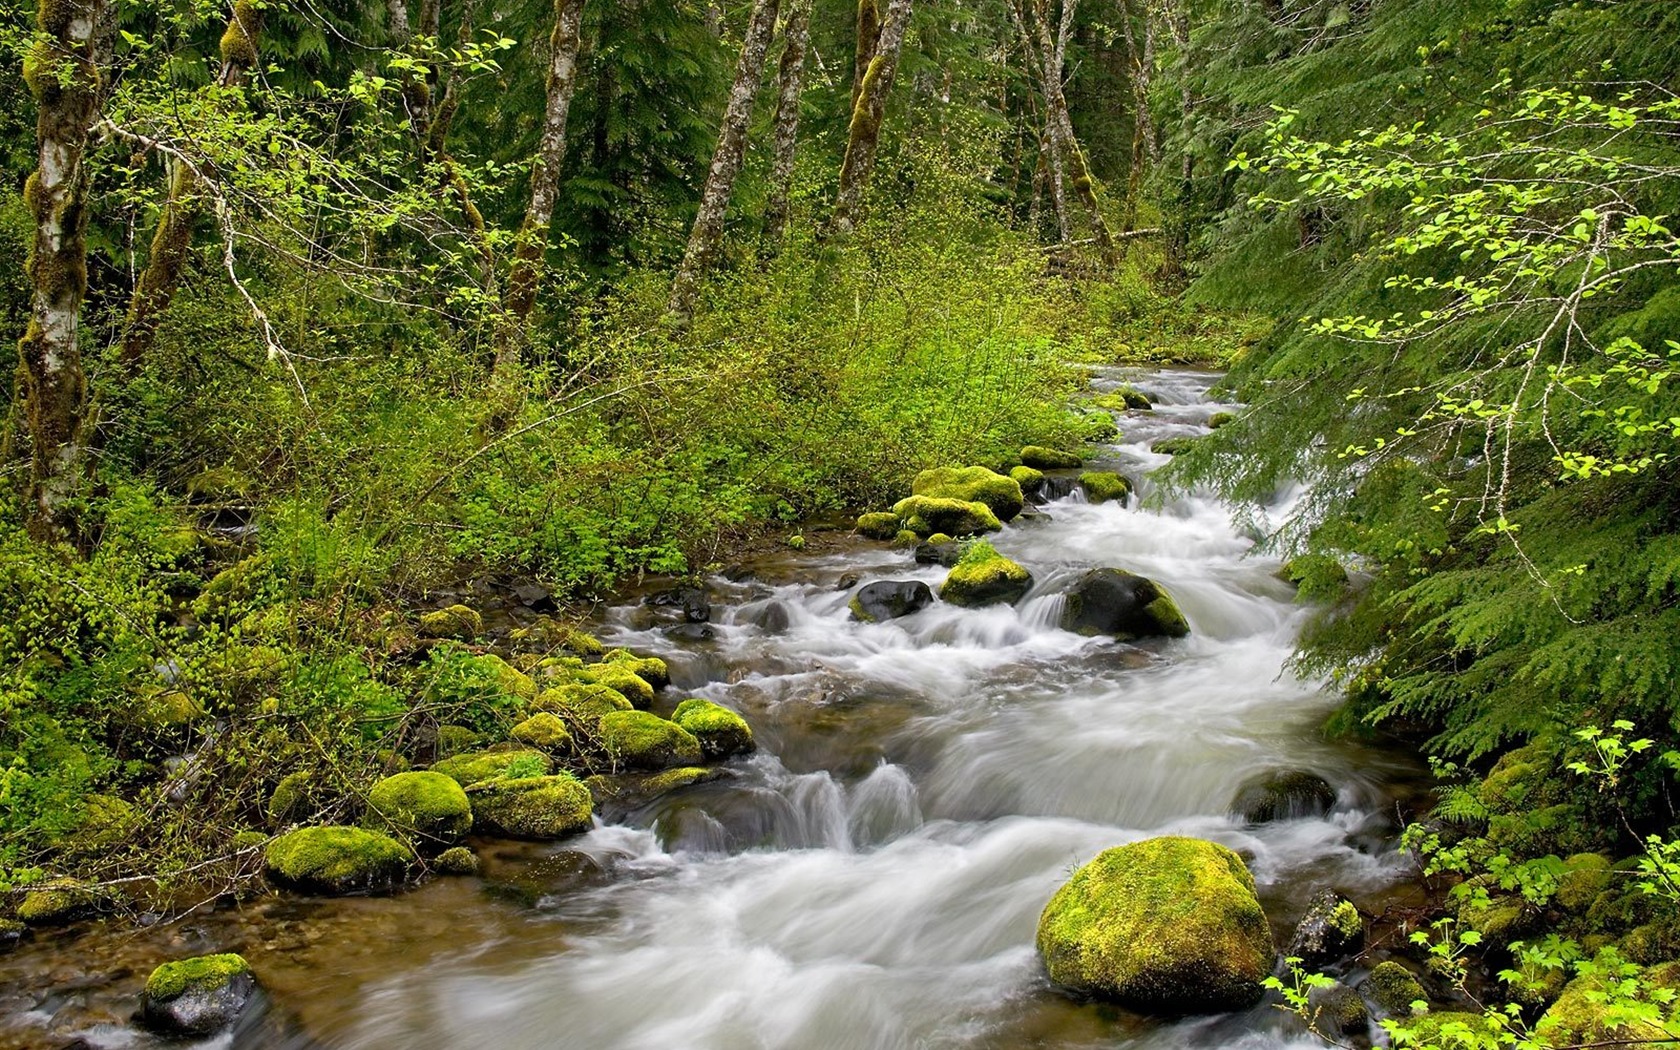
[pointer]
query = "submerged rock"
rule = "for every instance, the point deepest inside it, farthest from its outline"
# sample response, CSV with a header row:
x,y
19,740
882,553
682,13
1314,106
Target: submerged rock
x,y
972,485
429,806
985,577
1284,795
1169,925
1040,458
542,807
197,997
619,794
336,860
721,732
890,599
693,601
1122,604
1331,930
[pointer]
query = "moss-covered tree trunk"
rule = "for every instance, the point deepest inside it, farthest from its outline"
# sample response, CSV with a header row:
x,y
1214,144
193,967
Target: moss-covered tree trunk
x,y
64,70
531,244
868,40
707,233
167,259
790,90
868,114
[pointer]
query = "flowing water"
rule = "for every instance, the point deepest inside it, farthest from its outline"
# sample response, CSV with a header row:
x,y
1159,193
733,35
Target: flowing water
x,y
871,878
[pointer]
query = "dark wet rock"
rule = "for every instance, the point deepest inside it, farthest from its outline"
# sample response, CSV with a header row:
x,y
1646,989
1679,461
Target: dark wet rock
x,y
847,581
771,618
1331,931
1393,989
890,599
535,596
617,795
693,602
931,553
197,997
1337,1010
691,632
12,934
1032,516
1057,486
1122,604
1284,795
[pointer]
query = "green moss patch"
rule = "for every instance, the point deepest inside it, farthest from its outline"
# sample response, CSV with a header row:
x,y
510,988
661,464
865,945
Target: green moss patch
x,y
1103,486
878,525
337,860
428,805
204,973
984,577
926,515
547,807
474,766
545,731
998,492
638,740
721,732
456,621
1041,458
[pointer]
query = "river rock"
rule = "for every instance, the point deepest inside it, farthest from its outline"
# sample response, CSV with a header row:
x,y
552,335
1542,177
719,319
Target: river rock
x,y
639,740
938,550
1330,931
197,997
457,621
695,605
972,485
473,766
772,617
1284,795
926,515
1104,486
538,808
429,807
1040,458
336,860
1169,925
1031,479
1337,1010
890,599
985,577
878,525
1057,486
721,732
1123,604
1393,989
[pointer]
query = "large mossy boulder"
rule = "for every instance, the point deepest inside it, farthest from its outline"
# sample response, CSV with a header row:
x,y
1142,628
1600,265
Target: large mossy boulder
x,y
546,807
1105,486
721,732
56,903
1393,989
889,599
337,860
1166,926
650,669
1583,1016
428,806
197,997
1285,794
1331,930
984,577
639,740
460,622
544,731
1122,604
474,766
878,525
582,702
1030,479
972,485
622,680
926,515
1040,458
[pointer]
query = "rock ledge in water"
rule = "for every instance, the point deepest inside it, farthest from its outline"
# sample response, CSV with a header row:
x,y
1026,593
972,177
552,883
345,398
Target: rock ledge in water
x,y
1169,926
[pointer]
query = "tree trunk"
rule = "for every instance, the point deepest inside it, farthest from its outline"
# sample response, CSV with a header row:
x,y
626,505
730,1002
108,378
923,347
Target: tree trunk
x,y
531,244
868,39
65,75
868,114
790,80
167,260
1144,147
707,234
1178,225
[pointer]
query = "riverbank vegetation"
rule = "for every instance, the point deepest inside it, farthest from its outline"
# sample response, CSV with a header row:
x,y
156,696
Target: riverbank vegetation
x,y
333,315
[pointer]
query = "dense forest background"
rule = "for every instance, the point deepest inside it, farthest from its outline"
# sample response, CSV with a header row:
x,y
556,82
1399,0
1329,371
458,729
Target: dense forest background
x,y
331,307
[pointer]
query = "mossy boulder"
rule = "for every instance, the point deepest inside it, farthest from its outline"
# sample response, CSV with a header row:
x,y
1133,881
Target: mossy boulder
x,y
1221,419
544,731
456,621
984,577
427,805
12,933
560,637
106,821
1393,989
1581,1014
721,732
546,807
298,795
1168,926
639,740
158,708
337,860
197,997
1337,1010
1124,605
878,525
1029,478
1104,486
475,766
1133,398
56,903
905,538
452,740
581,702
1041,458
1451,1030
1585,877
622,680
1285,794
456,860
234,591
972,485
889,599
650,669
1173,446
1100,426
1331,930
926,515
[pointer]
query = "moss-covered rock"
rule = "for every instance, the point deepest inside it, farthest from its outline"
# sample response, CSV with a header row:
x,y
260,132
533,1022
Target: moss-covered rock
x,y
1122,604
544,731
1331,930
453,739
639,740
1284,794
1173,446
456,860
547,807
56,903
926,515
905,539
560,637
1450,1030
475,766
650,669
622,680
1581,1015
721,732
1029,478
337,860
1168,925
237,589
1221,419
1040,458
1337,1010
984,577
158,708
12,933
1393,989
197,997
1100,426
878,525
1585,876
456,621
1104,486
582,703
972,485
296,797
427,805
106,821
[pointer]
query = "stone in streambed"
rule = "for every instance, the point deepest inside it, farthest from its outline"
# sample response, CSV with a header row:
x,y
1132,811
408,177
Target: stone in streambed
x,y
1002,494
1288,794
1331,930
1030,479
1393,989
1103,486
1337,1010
878,525
197,997
541,807
890,599
1040,458
926,515
1122,604
336,860
639,740
985,577
457,621
1169,925
721,732
427,806
474,766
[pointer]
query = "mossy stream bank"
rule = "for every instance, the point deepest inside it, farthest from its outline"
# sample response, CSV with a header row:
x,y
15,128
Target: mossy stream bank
x,y
873,873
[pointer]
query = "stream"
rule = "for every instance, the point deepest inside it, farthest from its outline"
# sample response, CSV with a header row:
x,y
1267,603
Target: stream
x,y
872,876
